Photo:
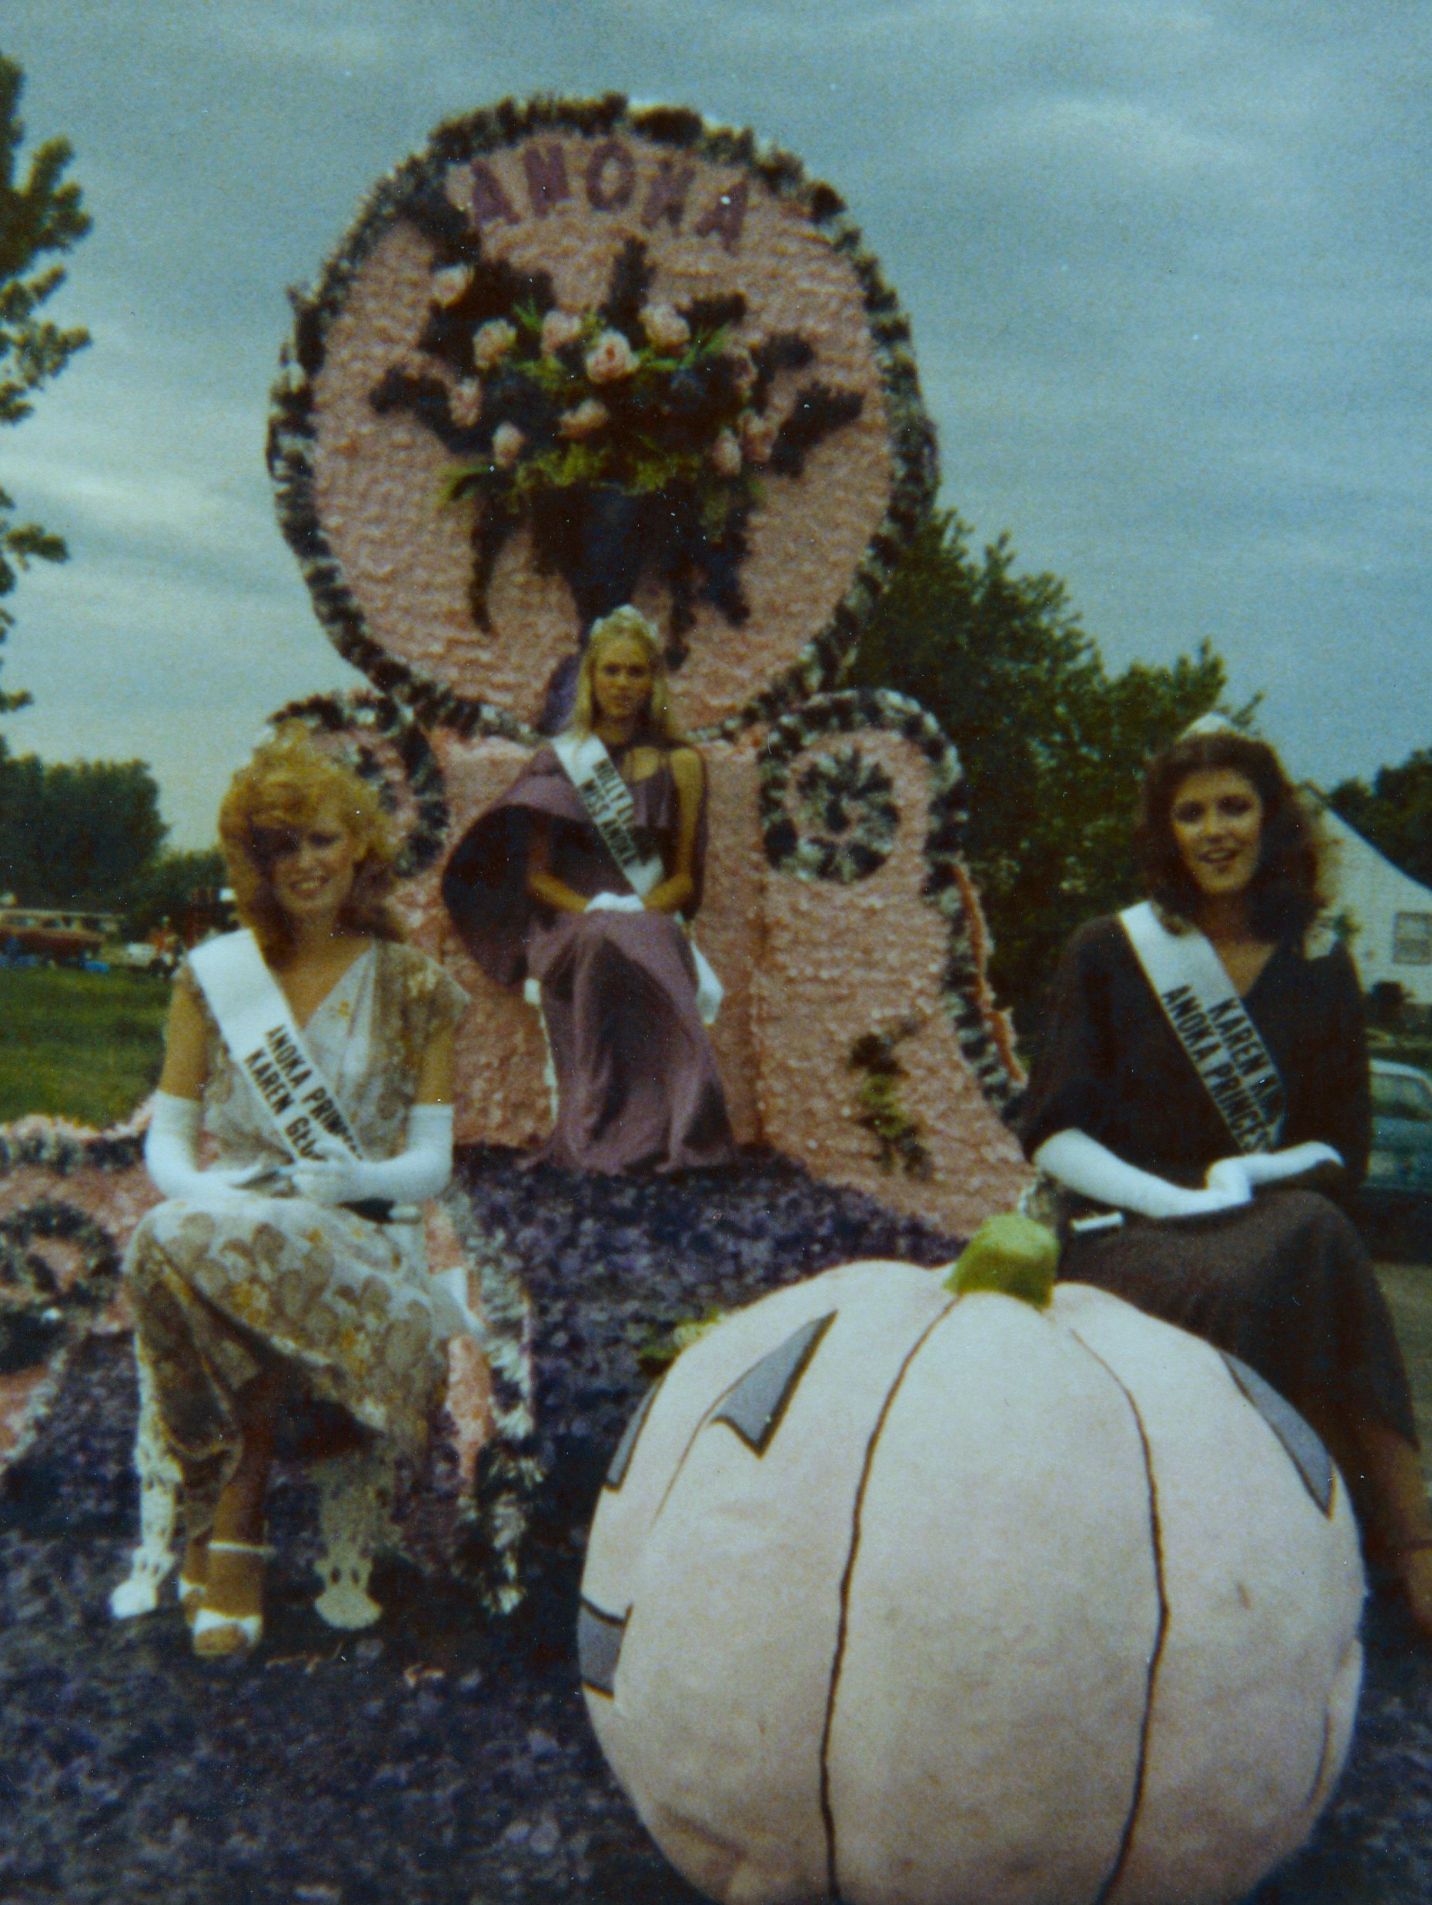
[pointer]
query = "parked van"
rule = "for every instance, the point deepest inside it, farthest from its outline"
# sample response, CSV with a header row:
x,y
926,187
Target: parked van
x,y
52,936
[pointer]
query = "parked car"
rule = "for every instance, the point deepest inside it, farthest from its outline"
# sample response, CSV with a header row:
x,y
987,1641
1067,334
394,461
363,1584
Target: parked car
x,y
52,935
139,956
1396,1197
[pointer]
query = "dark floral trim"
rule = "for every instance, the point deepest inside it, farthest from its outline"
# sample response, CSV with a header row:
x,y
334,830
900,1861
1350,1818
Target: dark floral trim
x,y
494,1519
47,1144
415,190
977,1026
846,819
879,1100
369,722
37,1316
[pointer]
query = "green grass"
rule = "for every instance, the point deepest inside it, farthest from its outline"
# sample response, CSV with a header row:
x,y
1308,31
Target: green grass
x,y
84,1045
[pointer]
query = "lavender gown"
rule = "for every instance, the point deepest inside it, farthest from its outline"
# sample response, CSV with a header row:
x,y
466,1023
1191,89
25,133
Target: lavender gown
x,y
637,1082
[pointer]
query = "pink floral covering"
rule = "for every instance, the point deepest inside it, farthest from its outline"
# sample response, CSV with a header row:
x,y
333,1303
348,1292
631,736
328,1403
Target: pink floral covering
x,y
378,479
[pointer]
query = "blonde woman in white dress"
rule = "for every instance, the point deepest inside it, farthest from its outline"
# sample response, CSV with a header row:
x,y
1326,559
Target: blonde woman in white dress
x,y
290,1270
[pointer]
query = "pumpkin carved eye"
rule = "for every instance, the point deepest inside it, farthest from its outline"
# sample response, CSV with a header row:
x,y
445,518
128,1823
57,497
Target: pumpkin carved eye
x,y
1305,1448
626,1448
755,1405
599,1647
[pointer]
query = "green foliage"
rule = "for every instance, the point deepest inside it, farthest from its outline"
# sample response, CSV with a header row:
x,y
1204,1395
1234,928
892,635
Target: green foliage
x,y
1052,745
40,214
165,892
1395,813
77,832
881,1100
79,1045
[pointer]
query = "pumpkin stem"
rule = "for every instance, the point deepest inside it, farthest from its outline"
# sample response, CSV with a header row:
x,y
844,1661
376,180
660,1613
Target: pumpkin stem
x,y
1011,1255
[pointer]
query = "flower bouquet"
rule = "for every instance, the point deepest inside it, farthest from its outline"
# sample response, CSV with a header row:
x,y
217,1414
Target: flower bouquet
x,y
632,438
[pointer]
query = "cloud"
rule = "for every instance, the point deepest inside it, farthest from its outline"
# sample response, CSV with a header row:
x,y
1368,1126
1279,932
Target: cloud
x,y
1166,263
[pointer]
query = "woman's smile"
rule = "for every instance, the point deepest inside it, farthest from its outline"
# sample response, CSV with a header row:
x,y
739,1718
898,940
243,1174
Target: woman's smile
x,y
1217,821
315,873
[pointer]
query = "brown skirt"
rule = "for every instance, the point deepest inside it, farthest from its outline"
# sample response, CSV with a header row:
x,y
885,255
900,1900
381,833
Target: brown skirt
x,y
1283,1283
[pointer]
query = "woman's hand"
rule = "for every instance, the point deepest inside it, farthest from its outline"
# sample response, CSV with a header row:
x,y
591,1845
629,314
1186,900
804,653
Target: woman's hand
x,y
1233,1176
1211,1200
329,1181
417,1172
1250,1170
616,903
1297,1160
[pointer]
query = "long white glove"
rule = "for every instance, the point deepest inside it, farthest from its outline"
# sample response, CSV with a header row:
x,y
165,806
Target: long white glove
x,y
171,1152
615,903
417,1172
1080,1163
1274,1167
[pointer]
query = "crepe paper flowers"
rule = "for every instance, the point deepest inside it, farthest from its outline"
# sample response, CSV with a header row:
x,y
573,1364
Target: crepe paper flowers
x,y
626,437
609,358
492,343
665,328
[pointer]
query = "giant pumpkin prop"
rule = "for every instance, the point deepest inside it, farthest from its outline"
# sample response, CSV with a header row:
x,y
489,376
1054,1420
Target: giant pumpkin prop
x,y
903,1597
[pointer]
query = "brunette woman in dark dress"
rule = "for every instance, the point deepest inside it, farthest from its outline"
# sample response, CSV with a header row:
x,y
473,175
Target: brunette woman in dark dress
x,y
1249,1249
537,895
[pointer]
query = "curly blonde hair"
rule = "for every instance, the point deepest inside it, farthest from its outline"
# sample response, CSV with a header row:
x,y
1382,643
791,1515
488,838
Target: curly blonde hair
x,y
287,783
627,624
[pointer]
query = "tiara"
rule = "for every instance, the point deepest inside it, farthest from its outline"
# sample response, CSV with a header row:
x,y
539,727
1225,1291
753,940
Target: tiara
x,y
1212,723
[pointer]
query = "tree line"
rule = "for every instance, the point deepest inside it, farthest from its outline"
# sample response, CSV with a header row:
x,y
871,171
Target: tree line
x,y
88,834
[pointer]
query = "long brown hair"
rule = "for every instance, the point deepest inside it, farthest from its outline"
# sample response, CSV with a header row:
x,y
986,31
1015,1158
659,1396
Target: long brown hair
x,y
1286,893
287,782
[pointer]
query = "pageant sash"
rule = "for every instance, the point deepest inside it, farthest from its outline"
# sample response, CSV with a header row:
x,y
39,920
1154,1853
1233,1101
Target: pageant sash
x,y
1203,1007
609,806
607,799
257,1024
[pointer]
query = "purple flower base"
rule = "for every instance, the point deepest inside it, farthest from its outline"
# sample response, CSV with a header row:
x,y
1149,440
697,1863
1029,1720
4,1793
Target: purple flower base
x,y
439,1760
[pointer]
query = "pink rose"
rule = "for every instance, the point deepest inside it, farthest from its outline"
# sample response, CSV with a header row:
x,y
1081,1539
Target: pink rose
x,y
588,416
559,329
492,343
465,402
665,327
758,436
450,283
507,445
726,454
610,358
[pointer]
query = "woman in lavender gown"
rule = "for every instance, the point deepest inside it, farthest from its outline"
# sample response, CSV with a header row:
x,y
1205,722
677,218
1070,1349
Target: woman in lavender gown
x,y
583,881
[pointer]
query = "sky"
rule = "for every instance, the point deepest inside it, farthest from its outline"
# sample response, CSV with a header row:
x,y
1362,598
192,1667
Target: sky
x,y
1167,266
